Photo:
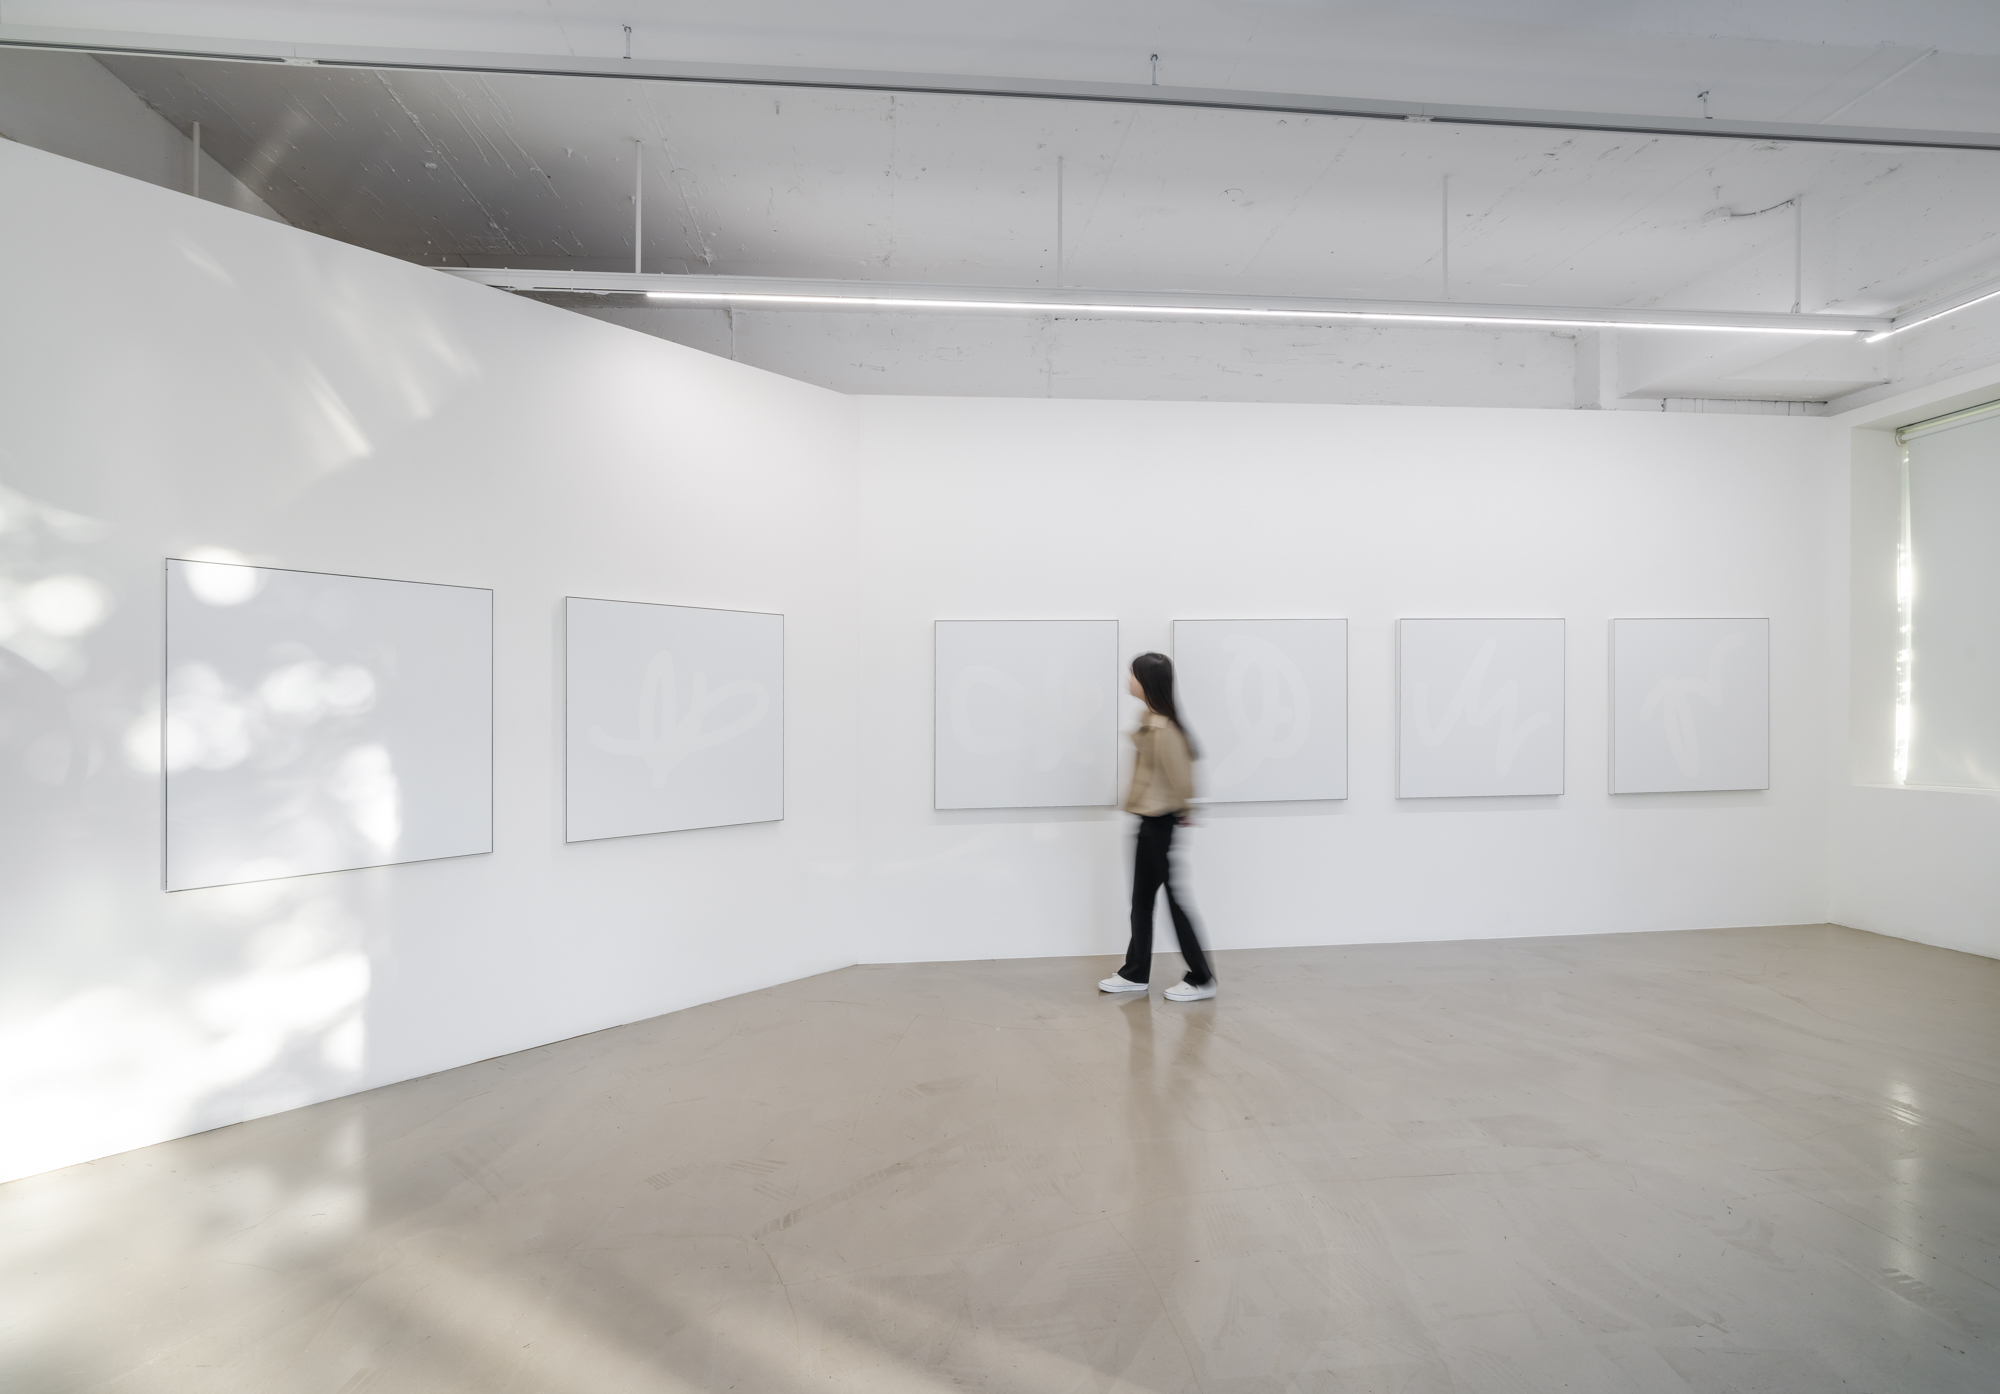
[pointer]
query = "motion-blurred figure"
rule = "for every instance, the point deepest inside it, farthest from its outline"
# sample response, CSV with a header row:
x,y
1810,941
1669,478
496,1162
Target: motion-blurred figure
x,y
1162,787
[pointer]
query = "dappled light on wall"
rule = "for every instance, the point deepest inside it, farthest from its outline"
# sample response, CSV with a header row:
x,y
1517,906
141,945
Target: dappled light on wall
x,y
46,612
217,576
259,1002
350,382
321,723
267,1015
338,798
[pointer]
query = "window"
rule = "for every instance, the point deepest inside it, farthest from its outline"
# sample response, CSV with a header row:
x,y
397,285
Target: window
x,y
1948,583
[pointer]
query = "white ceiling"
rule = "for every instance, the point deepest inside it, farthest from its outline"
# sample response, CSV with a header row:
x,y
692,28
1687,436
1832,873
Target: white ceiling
x,y
537,171
1762,58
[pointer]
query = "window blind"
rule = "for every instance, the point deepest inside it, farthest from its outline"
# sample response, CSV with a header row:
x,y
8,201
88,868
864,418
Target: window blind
x,y
1951,601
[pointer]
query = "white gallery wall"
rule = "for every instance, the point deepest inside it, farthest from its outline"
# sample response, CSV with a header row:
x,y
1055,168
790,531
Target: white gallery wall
x,y
180,379
1155,511
177,378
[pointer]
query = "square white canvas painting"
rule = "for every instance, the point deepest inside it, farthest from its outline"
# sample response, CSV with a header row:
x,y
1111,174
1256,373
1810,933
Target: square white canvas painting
x,y
322,723
1266,700
1027,713
1690,705
676,717
1480,708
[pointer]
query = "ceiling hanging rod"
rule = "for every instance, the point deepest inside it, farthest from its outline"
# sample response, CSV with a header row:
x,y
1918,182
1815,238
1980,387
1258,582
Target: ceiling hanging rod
x,y
777,292
971,85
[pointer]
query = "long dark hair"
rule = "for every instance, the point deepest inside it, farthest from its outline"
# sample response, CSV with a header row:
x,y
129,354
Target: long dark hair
x,y
1155,672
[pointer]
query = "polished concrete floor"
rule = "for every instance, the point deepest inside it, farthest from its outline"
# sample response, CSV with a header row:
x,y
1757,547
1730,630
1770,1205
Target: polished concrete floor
x,y
1747,1160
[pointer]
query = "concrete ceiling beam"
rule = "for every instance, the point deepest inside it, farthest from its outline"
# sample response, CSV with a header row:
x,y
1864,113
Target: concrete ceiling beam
x,y
971,85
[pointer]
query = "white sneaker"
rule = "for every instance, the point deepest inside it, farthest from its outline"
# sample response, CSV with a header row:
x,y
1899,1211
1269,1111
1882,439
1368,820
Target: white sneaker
x,y
1188,992
1116,983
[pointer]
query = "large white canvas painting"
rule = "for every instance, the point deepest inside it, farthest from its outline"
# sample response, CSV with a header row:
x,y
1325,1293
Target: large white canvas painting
x,y
1690,705
1480,708
322,723
676,718
1027,713
1266,701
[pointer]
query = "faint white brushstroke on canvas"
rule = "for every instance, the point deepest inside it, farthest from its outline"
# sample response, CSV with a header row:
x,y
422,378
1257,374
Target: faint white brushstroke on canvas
x,y
1046,718
669,733
1467,705
1669,698
1277,727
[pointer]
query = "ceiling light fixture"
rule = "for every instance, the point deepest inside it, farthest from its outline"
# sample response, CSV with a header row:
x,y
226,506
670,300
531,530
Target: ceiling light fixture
x,y
775,292
1417,312
1937,310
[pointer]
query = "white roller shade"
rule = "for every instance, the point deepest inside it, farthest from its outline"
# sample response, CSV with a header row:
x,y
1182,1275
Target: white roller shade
x,y
1954,602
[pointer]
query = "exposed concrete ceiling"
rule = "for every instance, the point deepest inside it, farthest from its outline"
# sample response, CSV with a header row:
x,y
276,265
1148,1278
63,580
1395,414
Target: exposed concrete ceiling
x,y
507,170
535,171
1768,58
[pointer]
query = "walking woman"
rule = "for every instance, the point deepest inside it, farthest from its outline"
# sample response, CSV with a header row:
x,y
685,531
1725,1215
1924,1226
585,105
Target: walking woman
x,y
1162,785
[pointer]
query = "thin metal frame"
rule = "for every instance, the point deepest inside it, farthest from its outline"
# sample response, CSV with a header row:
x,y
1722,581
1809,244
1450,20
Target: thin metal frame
x,y
1346,624
492,718
1117,634
784,780
1563,745
1611,703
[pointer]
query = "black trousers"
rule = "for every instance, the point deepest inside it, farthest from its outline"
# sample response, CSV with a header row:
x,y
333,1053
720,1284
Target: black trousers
x,y
1152,872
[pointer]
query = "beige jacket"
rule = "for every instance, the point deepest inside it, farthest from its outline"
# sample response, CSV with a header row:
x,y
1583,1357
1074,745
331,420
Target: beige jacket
x,y
1163,772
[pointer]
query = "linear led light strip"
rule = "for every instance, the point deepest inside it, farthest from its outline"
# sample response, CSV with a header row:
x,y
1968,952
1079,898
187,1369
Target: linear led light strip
x,y
1978,295
779,292
900,302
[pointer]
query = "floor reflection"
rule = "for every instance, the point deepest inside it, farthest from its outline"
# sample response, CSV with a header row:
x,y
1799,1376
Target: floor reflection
x,y
1627,1162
